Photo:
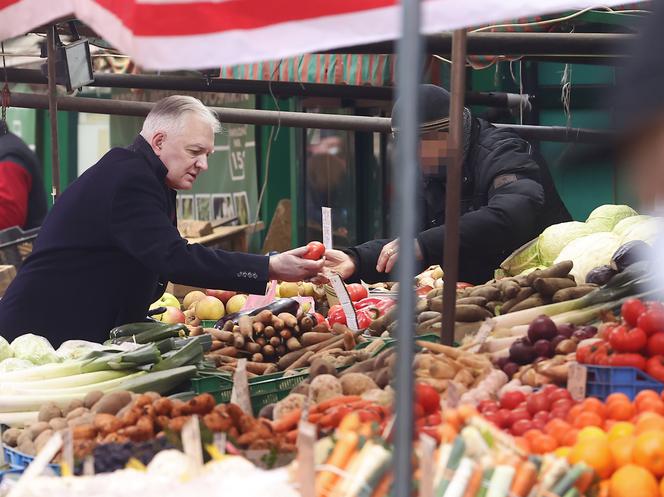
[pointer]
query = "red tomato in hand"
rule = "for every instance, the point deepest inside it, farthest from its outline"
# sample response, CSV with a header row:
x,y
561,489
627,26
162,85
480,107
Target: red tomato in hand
x,y
510,400
623,339
631,310
652,321
315,251
356,292
655,344
655,367
427,397
628,360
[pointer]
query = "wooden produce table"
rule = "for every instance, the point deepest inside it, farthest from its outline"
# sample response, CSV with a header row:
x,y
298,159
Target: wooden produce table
x,y
235,238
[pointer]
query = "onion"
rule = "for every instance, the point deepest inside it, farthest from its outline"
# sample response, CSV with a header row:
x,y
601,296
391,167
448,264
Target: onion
x,y
566,330
510,369
542,348
500,363
542,328
584,333
522,353
556,340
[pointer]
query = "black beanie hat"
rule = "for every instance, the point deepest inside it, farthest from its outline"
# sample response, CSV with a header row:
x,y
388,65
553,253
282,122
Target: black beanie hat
x,y
434,103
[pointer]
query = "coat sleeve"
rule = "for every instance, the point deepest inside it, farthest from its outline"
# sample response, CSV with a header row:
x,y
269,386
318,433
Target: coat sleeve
x,y
509,215
140,227
366,257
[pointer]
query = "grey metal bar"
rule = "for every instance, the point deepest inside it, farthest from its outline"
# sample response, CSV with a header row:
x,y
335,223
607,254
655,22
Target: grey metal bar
x,y
408,78
609,45
254,87
53,112
453,187
294,119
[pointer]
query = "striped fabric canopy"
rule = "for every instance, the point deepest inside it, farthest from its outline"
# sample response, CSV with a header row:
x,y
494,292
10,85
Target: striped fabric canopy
x,y
194,34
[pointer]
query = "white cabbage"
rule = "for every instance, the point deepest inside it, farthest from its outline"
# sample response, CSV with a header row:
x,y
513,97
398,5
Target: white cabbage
x,y
35,349
647,231
14,364
588,252
5,349
621,228
605,217
554,239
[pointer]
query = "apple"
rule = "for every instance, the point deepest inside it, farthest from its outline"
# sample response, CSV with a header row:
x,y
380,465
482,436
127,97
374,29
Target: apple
x,y
236,303
166,300
172,315
191,298
210,308
288,289
223,295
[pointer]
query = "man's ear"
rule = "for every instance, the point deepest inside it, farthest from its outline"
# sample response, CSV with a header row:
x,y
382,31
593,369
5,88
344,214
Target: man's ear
x,y
157,142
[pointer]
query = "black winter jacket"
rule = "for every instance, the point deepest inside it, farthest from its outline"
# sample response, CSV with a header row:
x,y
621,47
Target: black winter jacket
x,y
508,198
106,249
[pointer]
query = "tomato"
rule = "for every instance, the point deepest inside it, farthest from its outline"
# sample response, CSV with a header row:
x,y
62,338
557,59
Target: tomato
x,y
557,394
521,426
418,412
542,416
548,388
511,400
655,344
537,402
559,413
628,360
562,404
356,292
315,251
428,397
503,418
539,424
623,339
518,414
655,367
492,417
433,419
652,321
631,310
319,317
583,354
487,405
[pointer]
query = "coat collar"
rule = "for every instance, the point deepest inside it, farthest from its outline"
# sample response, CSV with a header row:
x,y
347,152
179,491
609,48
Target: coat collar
x,y
141,146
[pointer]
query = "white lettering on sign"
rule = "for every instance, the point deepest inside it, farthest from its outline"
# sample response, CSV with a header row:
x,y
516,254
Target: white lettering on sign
x,y
327,227
344,300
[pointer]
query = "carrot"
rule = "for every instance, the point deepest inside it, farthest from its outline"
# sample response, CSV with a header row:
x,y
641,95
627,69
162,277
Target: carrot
x,y
474,483
323,406
315,417
383,488
333,418
342,453
291,436
524,479
288,421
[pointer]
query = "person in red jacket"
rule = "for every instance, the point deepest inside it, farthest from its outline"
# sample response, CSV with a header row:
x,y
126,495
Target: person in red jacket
x,y
22,198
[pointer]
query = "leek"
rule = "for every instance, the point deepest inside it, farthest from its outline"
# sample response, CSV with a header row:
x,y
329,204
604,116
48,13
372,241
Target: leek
x,y
66,381
161,381
105,385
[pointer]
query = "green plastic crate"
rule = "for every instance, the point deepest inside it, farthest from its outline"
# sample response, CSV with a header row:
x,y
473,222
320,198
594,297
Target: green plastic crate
x,y
208,323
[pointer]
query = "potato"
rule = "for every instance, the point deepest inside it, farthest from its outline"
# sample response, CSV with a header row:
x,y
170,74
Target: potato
x,y
23,436
383,377
320,366
84,419
92,398
76,413
57,424
325,387
302,388
27,448
35,429
49,411
10,436
43,437
73,405
356,384
111,403
284,406
267,411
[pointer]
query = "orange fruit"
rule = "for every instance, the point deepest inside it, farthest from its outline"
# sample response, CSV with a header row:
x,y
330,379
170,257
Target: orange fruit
x,y
645,394
661,487
595,454
588,418
543,444
452,417
531,435
621,429
651,405
632,480
621,410
574,413
622,450
649,421
592,433
447,432
522,444
591,404
557,428
649,451
618,396
570,438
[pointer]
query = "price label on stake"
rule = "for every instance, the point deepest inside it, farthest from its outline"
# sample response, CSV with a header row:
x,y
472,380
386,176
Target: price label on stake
x,y
576,380
38,465
344,300
220,442
427,446
327,227
240,393
306,439
67,465
89,466
191,440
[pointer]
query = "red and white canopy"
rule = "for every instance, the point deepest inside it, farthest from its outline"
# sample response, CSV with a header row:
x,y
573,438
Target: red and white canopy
x,y
194,34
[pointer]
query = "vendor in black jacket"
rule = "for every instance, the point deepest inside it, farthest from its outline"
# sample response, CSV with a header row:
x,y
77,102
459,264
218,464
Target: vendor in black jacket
x,y
110,243
508,198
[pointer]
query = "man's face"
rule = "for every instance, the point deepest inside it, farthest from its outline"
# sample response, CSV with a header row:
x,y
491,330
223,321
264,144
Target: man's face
x,y
433,151
185,153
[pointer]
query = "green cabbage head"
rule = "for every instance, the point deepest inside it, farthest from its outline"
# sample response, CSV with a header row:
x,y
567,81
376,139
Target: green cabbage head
x,y
554,239
605,217
35,349
588,252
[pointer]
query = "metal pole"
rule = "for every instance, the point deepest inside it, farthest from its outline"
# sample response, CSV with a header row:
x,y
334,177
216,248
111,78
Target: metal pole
x,y
294,119
53,112
254,87
453,187
408,78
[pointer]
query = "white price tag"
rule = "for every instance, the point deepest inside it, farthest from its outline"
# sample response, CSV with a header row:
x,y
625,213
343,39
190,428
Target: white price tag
x,y
577,376
220,442
89,466
427,448
344,300
191,440
327,227
306,439
67,464
240,393
39,463
482,334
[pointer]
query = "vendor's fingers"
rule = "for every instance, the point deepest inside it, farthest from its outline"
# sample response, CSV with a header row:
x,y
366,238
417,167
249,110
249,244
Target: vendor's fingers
x,y
391,262
385,255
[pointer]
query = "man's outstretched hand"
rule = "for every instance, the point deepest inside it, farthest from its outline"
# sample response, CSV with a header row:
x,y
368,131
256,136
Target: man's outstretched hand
x,y
290,266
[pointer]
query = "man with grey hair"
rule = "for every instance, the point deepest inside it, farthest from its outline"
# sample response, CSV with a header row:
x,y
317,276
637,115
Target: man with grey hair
x,y
110,243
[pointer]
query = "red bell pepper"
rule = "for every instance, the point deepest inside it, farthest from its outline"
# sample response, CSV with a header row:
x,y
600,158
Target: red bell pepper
x,y
336,315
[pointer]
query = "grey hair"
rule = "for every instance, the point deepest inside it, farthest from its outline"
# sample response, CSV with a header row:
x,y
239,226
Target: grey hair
x,y
168,113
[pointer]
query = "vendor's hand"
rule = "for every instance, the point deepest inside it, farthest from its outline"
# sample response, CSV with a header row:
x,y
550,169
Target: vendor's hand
x,y
338,262
290,266
390,254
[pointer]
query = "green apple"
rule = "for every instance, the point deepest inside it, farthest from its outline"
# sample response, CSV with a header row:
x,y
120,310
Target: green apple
x,y
166,300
